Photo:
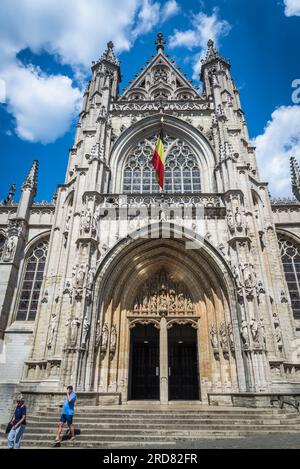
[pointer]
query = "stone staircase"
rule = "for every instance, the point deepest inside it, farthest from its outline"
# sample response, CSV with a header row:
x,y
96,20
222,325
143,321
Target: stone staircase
x,y
125,427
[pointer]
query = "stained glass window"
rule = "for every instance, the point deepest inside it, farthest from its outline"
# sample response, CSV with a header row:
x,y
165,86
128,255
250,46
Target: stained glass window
x,y
32,283
290,254
182,173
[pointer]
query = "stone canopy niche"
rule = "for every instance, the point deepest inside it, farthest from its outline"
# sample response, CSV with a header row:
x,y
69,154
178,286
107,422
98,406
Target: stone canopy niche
x,y
162,295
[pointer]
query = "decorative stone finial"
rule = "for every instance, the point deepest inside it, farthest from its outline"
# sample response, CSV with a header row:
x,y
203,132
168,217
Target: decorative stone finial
x,y
9,199
160,42
31,180
295,172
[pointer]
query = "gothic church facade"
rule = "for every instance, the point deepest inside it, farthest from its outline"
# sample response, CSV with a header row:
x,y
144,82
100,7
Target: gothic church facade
x,y
132,293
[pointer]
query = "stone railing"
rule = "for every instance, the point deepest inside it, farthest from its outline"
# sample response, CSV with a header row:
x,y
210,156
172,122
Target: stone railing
x,y
196,105
162,200
284,201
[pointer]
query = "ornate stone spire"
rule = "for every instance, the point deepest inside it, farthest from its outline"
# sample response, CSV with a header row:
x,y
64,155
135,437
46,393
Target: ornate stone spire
x,y
109,54
31,180
212,53
295,171
160,42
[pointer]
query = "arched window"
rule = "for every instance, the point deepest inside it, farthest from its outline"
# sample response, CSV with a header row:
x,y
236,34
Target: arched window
x,y
32,282
2,244
182,173
290,254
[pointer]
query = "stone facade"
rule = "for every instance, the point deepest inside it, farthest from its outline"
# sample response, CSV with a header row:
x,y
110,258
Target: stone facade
x,y
204,253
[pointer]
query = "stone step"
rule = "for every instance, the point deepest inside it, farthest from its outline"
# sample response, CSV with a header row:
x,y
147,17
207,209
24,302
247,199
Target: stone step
x,y
137,423
161,415
153,410
152,432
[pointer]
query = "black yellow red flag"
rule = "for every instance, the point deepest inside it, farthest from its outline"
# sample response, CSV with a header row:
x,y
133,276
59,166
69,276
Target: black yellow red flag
x,y
158,159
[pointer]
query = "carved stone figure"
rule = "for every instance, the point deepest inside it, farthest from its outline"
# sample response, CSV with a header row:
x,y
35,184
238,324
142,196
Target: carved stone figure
x,y
254,330
98,335
95,222
245,333
104,339
223,337
52,329
113,340
262,332
231,337
238,219
85,221
90,279
10,249
214,338
75,323
230,221
80,276
85,331
278,331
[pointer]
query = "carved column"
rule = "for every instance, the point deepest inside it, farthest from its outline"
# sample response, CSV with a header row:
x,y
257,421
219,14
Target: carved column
x,y
163,362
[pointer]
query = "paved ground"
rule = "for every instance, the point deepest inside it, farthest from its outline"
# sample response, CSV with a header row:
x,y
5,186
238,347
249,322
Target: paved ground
x,y
278,441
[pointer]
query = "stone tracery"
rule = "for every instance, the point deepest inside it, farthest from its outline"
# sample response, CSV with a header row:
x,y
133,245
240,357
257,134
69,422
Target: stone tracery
x,y
182,173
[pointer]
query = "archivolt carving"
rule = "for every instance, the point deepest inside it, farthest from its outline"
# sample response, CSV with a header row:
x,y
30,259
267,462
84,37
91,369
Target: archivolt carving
x,y
182,322
163,296
144,322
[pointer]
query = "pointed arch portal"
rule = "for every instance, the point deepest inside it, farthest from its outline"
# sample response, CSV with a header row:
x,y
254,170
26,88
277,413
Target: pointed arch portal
x,y
164,301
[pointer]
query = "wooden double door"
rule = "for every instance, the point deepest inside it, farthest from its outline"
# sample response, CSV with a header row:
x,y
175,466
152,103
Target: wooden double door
x,y
182,363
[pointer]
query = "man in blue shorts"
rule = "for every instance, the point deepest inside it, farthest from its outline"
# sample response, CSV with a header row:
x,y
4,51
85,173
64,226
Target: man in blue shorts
x,y
67,415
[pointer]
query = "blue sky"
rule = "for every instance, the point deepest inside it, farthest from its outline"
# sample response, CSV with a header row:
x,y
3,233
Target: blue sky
x,y
46,47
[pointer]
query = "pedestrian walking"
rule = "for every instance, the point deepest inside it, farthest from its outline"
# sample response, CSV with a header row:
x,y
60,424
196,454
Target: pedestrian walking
x,y
67,415
18,424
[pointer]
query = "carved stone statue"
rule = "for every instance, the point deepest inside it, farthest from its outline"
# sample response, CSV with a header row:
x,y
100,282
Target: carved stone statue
x,y
52,329
75,323
95,222
245,333
98,335
85,221
254,330
231,337
113,340
10,249
85,331
278,331
104,339
230,220
262,332
90,279
214,338
80,278
238,219
223,338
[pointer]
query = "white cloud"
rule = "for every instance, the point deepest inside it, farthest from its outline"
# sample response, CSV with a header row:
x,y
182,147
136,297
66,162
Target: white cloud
x,y
171,8
148,17
76,32
43,106
204,27
280,141
292,7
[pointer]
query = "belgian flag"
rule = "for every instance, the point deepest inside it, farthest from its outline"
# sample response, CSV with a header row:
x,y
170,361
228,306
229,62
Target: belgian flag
x,y
158,159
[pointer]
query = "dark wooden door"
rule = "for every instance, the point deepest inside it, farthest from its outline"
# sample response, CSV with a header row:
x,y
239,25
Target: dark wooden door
x,y
183,364
144,363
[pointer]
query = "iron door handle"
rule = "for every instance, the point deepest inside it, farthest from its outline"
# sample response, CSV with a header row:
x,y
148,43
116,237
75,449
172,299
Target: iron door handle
x,y
169,371
157,371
